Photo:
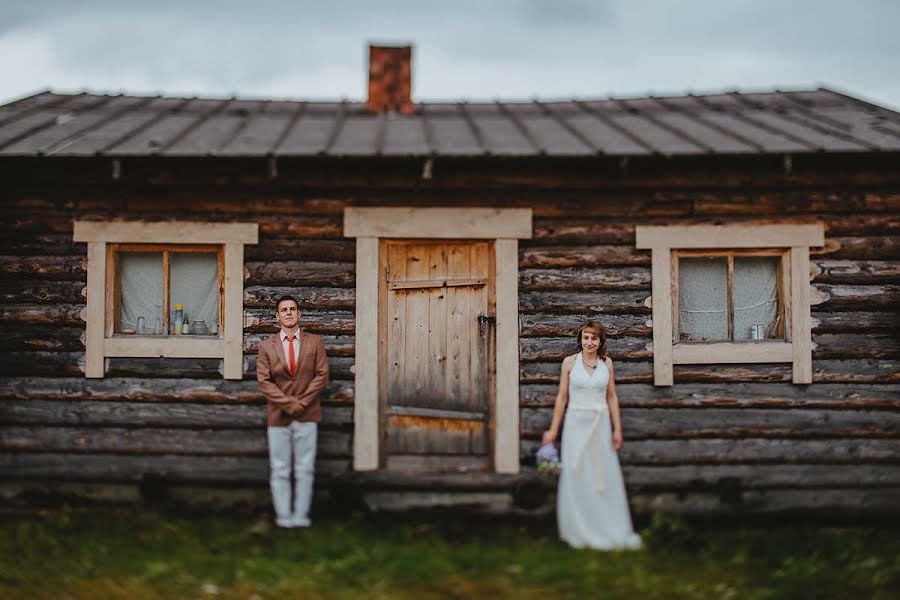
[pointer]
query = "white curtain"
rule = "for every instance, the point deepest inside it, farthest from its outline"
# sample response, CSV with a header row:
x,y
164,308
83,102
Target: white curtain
x,y
703,285
755,295
142,288
194,281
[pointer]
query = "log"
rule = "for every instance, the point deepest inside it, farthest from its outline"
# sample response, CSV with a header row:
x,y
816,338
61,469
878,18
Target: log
x,y
568,278
46,267
563,325
582,256
117,440
303,227
40,244
828,346
581,231
296,273
854,322
339,367
18,291
292,248
335,345
748,395
786,204
871,247
51,314
134,468
543,324
824,371
152,414
652,423
46,364
43,337
309,297
822,504
150,390
856,345
556,349
855,271
607,301
188,368
759,476
333,322
749,451
858,297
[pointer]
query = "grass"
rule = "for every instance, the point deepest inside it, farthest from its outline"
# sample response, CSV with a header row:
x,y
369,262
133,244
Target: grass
x,y
101,555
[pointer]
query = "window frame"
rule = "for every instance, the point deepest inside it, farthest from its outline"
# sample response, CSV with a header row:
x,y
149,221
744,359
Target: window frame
x,y
100,342
668,243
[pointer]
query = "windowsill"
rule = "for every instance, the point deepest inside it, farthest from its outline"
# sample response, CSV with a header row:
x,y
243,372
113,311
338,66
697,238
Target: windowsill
x,y
181,346
749,351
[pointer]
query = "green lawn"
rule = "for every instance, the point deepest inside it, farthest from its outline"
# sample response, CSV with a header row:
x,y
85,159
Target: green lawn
x,y
100,555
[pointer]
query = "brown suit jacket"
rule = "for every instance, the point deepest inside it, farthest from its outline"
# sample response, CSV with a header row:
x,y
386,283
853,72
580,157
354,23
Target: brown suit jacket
x,y
292,398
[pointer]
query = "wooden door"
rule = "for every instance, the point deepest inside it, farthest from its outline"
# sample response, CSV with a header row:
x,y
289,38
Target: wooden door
x,y
438,354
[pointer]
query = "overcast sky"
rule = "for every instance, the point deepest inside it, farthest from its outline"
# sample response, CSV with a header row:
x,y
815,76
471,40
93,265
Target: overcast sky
x,y
515,49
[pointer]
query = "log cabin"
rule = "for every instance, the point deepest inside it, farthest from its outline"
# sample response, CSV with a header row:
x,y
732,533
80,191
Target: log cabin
x,y
741,249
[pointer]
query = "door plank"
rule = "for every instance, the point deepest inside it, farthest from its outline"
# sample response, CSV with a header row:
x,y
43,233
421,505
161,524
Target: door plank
x,y
458,266
437,329
478,298
396,324
418,258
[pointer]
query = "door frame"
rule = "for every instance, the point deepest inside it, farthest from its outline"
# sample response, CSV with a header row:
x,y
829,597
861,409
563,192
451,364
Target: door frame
x,y
505,227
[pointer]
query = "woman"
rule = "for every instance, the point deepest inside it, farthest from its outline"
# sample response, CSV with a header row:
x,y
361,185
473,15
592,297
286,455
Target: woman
x,y
591,508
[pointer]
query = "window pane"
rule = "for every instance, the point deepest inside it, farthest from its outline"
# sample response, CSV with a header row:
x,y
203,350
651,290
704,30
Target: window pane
x,y
703,285
195,285
142,289
755,296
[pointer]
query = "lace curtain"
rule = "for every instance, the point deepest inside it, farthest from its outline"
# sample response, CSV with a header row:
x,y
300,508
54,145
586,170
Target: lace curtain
x,y
703,288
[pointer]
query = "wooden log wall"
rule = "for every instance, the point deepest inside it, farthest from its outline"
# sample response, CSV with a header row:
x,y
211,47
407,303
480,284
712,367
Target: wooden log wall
x,y
724,438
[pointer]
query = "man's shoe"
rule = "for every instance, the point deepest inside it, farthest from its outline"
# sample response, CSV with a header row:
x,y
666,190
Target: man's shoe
x,y
284,522
301,522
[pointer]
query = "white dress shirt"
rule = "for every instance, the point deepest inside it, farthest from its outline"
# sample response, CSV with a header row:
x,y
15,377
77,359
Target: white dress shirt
x,y
287,347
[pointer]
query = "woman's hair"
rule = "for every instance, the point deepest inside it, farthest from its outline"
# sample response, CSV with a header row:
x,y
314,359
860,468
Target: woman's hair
x,y
596,328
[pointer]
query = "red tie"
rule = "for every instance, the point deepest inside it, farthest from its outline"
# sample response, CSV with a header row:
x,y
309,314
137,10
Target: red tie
x,y
293,360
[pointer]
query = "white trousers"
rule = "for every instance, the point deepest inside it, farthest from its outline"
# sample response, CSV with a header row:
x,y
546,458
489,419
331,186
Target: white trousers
x,y
298,442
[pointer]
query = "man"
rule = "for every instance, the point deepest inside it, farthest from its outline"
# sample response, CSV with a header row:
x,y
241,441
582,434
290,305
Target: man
x,y
292,369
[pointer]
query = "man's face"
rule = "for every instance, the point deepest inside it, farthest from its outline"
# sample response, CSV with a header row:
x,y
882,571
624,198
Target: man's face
x,y
288,314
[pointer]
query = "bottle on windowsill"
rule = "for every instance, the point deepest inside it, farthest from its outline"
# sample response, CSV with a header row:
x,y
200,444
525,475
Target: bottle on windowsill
x,y
179,319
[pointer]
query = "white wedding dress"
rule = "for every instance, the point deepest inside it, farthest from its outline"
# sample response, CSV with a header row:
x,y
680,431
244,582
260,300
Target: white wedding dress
x,y
591,506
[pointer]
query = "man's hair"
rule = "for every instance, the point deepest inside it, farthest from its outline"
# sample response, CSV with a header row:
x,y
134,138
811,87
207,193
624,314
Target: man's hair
x,y
286,298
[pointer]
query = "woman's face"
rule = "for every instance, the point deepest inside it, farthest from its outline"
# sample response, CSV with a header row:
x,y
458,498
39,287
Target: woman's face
x,y
590,341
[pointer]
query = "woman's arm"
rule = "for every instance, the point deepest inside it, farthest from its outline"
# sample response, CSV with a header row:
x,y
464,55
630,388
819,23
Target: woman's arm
x,y
562,398
612,400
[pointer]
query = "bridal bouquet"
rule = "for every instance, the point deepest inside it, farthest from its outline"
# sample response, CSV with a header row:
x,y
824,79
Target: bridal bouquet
x,y
548,462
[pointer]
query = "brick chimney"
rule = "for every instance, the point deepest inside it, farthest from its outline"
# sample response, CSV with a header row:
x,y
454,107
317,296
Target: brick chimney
x,y
390,79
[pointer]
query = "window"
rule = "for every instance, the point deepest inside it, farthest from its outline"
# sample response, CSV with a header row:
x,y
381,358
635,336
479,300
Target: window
x,y
150,282
138,272
730,294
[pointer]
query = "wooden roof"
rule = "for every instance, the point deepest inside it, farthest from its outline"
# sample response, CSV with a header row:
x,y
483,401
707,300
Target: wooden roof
x,y
732,123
